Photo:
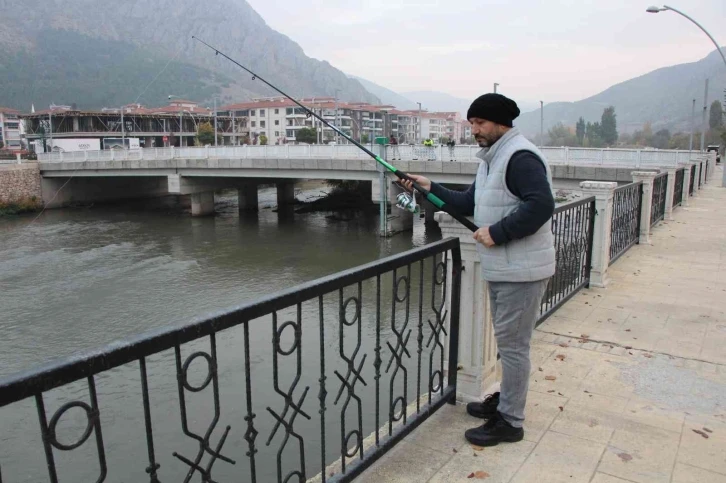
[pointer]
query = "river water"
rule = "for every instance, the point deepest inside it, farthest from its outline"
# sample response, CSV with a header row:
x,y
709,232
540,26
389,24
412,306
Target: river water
x,y
77,279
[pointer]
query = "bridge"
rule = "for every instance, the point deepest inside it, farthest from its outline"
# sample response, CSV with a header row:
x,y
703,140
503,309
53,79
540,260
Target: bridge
x,y
92,176
628,373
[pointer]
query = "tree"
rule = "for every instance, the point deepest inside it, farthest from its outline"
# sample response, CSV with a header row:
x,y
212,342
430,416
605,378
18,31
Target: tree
x,y
306,135
661,139
644,137
715,119
593,136
364,138
263,140
205,134
561,136
608,126
580,130
1,145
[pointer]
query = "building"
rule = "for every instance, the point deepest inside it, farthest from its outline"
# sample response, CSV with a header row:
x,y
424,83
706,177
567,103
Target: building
x,y
11,129
173,125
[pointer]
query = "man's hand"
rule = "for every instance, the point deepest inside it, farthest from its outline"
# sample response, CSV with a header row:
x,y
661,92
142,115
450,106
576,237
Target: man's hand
x,y
482,236
422,181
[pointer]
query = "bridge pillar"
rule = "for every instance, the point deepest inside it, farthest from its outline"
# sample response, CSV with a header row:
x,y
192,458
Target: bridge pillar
x,y
429,210
646,203
248,198
603,193
285,193
670,192
477,346
203,203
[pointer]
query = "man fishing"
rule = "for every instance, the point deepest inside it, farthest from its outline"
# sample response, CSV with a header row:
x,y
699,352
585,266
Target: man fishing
x,y
511,200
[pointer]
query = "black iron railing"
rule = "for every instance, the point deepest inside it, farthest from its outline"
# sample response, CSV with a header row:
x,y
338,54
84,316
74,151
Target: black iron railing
x,y
658,198
573,225
358,339
625,224
705,167
692,186
700,175
678,187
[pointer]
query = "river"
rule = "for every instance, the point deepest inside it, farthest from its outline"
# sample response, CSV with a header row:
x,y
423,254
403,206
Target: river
x,y
77,279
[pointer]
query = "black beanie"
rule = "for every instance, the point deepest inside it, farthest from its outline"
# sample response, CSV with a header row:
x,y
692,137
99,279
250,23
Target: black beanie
x,y
495,108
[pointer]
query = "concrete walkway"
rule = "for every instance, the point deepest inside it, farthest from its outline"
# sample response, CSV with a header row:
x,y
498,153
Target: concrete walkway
x,y
639,389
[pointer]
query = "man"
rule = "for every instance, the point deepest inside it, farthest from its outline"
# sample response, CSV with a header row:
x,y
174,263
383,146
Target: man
x,y
452,149
430,154
394,148
512,203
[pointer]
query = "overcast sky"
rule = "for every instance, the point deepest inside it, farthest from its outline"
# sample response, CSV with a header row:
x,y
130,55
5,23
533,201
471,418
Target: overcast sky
x,y
554,50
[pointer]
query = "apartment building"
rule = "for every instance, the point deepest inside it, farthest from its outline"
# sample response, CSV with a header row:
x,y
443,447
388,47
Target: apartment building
x,y
11,129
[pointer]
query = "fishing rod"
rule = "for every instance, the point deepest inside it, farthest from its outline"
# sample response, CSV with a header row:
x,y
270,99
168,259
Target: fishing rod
x,y
405,204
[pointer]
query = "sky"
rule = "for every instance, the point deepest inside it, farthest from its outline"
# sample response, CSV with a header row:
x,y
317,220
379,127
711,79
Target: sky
x,y
563,50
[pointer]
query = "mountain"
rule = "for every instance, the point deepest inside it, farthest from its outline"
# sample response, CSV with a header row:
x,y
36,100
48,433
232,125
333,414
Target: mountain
x,y
662,97
105,52
386,96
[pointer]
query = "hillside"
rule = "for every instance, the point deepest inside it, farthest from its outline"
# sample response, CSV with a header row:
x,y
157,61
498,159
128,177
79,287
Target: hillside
x,y
82,51
662,97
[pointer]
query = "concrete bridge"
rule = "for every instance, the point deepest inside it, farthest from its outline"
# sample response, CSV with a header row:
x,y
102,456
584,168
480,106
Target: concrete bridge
x,y
94,176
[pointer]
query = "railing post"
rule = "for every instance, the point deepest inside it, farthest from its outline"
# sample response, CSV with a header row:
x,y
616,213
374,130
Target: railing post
x,y
686,183
85,155
172,152
670,192
637,160
646,203
603,193
695,166
567,156
478,355
287,151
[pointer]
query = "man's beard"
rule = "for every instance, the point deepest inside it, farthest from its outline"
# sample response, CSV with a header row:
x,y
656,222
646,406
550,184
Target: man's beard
x,y
486,142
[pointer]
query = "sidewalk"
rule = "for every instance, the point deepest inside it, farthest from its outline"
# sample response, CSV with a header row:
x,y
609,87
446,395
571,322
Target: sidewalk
x,y
639,393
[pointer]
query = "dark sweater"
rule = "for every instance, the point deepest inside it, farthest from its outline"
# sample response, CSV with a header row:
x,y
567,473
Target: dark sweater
x,y
527,180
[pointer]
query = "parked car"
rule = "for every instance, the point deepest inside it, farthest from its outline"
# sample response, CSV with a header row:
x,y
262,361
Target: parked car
x,y
717,148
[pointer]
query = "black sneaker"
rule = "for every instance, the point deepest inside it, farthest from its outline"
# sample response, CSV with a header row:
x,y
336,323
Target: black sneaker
x,y
493,432
485,409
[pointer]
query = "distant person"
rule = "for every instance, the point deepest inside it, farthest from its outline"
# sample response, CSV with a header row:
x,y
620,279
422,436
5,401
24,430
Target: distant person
x,y
512,203
430,153
452,151
394,148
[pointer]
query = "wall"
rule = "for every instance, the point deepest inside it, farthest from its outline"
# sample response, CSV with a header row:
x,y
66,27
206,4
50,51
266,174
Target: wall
x,y
19,182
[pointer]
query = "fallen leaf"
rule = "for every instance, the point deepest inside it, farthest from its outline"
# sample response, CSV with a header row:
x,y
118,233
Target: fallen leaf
x,y
584,336
562,344
628,347
698,431
707,430
551,390
586,392
550,378
647,355
561,357
592,423
471,475
455,451
560,394
620,307
477,448
481,475
625,456
630,353
627,330
561,408
475,454
540,369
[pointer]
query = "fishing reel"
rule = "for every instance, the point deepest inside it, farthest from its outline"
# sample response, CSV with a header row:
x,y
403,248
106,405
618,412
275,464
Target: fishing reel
x,y
407,202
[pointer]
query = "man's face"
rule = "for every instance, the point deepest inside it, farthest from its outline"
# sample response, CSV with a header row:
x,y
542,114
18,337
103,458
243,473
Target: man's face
x,y
486,132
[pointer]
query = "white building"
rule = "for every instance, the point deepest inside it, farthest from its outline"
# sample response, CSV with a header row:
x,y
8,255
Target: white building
x,y
11,129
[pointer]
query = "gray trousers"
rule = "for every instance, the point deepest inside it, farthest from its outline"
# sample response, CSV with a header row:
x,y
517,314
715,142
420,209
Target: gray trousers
x,y
515,309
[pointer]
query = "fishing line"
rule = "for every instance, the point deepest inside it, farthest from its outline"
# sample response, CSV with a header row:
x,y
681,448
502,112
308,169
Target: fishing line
x,y
405,204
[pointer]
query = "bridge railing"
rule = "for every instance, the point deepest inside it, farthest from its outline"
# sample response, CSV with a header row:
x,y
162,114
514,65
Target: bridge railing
x,y
328,370
629,158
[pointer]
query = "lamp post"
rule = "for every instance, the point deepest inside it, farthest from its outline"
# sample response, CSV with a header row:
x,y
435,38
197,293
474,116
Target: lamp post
x,y
541,123
666,7
495,87
418,134
215,97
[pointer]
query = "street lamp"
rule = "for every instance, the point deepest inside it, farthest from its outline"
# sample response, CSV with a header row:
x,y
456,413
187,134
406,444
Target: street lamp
x,y
495,87
654,9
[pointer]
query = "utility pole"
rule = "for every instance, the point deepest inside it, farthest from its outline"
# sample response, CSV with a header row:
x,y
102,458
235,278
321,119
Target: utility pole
x,y
123,129
337,138
50,124
693,117
418,133
703,120
215,121
541,123
181,111
495,87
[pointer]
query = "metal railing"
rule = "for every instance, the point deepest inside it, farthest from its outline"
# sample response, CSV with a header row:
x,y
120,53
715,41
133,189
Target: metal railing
x,y
692,186
678,187
357,338
573,226
658,206
625,223
700,175
627,158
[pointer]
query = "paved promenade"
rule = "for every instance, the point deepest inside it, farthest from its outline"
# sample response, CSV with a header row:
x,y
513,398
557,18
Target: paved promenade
x,y
639,368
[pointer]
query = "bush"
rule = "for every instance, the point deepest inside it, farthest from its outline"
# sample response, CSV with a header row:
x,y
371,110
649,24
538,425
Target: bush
x,y
27,205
